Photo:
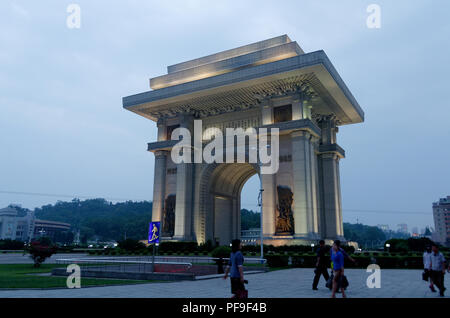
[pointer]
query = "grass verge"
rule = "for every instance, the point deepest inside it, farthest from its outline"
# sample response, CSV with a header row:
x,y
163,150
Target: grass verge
x,y
21,276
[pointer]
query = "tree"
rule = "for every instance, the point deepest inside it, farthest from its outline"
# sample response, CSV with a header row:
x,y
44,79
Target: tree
x,y
131,245
98,218
363,234
250,219
40,250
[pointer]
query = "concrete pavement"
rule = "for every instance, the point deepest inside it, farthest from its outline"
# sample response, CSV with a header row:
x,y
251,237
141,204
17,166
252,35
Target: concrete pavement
x,y
290,283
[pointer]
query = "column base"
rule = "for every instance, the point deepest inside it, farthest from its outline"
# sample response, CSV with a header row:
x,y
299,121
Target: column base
x,y
280,240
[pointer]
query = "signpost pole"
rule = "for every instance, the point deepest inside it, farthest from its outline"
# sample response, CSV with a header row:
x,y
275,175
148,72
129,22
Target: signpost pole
x,y
153,238
153,258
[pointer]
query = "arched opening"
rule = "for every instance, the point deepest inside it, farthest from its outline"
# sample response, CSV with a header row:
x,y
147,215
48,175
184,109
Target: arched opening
x,y
222,200
250,211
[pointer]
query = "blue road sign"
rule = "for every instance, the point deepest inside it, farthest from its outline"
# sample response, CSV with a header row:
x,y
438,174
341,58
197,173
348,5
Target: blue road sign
x,y
153,232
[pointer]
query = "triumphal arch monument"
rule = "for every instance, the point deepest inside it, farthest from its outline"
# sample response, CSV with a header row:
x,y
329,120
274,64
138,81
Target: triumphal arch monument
x,y
268,84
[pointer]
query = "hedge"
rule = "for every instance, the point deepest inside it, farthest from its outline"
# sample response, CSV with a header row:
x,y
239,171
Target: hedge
x,y
362,261
189,247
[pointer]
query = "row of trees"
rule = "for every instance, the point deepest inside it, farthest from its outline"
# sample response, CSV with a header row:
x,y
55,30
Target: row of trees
x,y
103,220
100,219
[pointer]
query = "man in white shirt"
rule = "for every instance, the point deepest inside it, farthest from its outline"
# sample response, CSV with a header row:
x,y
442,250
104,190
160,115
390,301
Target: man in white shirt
x,y
427,266
438,268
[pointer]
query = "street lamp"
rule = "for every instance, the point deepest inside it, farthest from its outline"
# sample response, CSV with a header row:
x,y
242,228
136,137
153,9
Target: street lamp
x,y
261,216
388,246
260,203
312,247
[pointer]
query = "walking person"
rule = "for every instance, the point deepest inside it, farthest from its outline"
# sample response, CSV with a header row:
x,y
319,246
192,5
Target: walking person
x,y
337,257
236,269
438,268
427,266
346,256
321,265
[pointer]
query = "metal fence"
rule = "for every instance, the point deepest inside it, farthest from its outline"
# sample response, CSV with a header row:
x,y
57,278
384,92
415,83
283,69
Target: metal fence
x,y
145,264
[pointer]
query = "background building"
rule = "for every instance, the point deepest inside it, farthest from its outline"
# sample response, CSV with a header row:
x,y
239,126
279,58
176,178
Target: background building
x,y
250,236
13,226
50,229
403,228
383,227
24,227
441,215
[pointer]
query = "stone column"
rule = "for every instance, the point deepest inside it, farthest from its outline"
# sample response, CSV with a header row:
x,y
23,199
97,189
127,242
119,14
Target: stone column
x,y
339,197
184,191
297,107
162,133
269,204
314,185
329,182
331,195
236,218
303,184
306,110
266,112
159,185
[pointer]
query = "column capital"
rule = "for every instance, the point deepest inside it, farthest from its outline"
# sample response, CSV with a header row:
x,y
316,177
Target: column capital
x,y
334,149
314,139
161,153
161,121
300,133
329,155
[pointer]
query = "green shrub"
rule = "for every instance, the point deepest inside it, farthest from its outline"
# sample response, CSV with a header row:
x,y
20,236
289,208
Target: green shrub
x,y
206,247
221,251
9,244
277,260
189,247
131,245
304,260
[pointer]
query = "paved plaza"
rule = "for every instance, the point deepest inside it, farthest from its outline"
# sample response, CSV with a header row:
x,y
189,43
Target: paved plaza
x,y
290,283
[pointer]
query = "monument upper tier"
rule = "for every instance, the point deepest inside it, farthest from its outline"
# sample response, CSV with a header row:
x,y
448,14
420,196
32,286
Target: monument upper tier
x,y
241,78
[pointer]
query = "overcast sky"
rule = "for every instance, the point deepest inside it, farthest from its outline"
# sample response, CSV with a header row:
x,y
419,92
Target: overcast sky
x,y
63,129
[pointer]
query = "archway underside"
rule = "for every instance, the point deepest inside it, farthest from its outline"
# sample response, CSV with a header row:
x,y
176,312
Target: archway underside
x,y
224,188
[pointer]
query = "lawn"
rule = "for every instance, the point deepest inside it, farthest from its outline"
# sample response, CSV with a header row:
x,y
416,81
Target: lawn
x,y
18,276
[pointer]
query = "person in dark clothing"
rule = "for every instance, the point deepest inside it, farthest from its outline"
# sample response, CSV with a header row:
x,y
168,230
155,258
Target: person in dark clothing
x,y
437,268
337,258
235,266
321,265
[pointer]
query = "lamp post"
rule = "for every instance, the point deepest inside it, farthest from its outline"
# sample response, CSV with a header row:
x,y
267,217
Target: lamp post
x,y
261,217
312,247
388,246
260,203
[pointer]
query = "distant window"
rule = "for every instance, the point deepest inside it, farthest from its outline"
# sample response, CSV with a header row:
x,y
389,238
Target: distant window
x,y
282,113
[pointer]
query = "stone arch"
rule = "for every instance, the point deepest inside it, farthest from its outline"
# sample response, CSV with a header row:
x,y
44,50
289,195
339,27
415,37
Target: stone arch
x,y
220,186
